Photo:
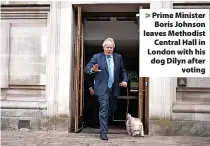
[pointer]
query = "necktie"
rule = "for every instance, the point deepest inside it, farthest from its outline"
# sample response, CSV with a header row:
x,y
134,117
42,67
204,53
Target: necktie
x,y
111,79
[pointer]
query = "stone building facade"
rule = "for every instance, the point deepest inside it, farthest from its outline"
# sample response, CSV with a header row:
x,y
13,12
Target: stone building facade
x,y
38,59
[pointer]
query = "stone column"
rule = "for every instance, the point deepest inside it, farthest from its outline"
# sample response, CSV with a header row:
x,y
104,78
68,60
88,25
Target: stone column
x,y
161,90
65,84
53,59
60,62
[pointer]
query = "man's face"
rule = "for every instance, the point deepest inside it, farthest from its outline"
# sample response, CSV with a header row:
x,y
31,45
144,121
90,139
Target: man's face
x,y
108,48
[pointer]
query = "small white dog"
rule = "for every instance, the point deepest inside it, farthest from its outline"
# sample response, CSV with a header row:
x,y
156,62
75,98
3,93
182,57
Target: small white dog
x,y
134,126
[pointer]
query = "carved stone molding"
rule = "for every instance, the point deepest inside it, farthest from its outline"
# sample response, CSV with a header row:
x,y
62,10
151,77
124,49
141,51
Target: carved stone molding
x,y
24,12
9,2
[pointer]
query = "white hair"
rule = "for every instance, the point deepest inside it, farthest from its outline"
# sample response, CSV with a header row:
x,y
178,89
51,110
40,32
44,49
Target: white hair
x,y
108,40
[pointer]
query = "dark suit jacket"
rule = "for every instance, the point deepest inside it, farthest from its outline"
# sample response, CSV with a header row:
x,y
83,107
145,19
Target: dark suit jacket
x,y
101,78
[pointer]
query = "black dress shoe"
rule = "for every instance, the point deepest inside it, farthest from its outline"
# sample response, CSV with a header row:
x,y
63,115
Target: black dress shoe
x,y
104,137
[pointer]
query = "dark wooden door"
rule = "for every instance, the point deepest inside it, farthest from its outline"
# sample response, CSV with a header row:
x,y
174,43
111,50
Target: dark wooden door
x,y
79,70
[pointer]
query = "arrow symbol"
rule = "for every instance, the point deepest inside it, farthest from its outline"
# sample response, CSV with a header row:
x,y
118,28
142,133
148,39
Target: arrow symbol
x,y
147,15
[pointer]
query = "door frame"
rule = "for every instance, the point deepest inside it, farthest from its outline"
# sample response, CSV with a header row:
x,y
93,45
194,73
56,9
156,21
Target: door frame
x,y
143,102
143,96
143,107
79,69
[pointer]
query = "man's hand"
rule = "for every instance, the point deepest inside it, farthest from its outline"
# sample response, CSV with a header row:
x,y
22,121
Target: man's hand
x,y
95,68
91,91
123,84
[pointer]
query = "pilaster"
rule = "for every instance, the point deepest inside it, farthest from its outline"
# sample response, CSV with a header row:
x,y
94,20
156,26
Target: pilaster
x,y
66,72
162,91
52,58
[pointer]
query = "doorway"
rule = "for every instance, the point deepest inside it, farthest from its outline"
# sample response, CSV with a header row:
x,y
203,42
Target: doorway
x,y
92,29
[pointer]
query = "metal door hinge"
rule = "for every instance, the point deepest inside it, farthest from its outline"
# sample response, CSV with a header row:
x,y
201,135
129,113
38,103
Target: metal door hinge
x,y
146,84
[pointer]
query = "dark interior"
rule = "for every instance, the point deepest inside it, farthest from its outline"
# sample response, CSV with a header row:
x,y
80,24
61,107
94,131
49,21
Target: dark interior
x,y
129,49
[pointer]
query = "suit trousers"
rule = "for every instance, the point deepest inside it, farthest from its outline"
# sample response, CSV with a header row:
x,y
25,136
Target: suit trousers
x,y
107,108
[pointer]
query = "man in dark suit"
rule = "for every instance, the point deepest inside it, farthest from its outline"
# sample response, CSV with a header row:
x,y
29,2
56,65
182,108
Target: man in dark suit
x,y
110,73
91,103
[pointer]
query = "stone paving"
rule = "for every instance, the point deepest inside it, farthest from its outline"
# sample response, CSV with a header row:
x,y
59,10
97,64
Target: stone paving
x,y
18,138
